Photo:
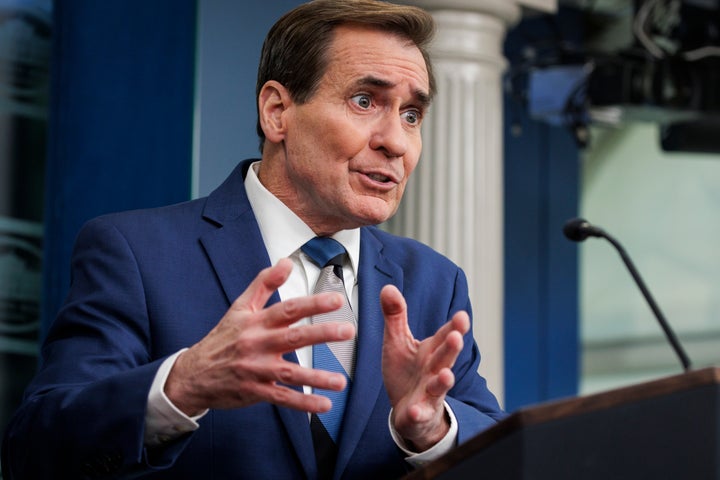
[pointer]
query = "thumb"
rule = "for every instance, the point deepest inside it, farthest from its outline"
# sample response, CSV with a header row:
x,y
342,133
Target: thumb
x,y
394,310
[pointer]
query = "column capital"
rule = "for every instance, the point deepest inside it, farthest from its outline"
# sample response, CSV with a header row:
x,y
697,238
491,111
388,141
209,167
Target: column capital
x,y
509,11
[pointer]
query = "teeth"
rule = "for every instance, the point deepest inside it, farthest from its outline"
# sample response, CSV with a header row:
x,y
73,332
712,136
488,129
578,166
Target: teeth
x,y
379,178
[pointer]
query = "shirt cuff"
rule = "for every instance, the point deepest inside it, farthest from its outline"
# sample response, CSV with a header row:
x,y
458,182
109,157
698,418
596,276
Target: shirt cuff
x,y
447,443
164,422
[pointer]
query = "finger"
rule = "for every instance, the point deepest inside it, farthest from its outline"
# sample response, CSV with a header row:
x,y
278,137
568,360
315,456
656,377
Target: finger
x,y
256,295
446,353
292,338
460,322
289,373
290,311
291,398
293,374
440,384
392,302
394,310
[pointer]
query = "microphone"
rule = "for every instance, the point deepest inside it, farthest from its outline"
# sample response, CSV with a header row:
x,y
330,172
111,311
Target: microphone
x,y
578,229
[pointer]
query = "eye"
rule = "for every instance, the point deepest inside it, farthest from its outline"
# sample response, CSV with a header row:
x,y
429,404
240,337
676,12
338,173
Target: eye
x,y
413,117
362,100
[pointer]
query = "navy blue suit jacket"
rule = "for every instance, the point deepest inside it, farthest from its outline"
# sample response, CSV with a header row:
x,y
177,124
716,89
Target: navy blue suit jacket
x,y
148,283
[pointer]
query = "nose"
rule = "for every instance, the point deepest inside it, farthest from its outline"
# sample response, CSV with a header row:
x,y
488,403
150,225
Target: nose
x,y
389,136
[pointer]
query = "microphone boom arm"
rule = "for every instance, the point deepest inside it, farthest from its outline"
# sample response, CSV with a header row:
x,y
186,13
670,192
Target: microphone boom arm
x,y
669,333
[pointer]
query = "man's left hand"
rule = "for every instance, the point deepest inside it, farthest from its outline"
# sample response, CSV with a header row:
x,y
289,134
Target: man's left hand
x,y
417,374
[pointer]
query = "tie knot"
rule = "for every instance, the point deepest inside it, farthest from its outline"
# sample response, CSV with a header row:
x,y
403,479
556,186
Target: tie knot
x,y
324,251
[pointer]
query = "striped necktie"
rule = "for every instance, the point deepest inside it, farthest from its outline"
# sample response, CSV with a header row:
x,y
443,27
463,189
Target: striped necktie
x,y
339,357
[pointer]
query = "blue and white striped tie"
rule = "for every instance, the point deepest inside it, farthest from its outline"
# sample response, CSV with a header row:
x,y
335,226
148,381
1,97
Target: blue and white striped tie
x,y
328,254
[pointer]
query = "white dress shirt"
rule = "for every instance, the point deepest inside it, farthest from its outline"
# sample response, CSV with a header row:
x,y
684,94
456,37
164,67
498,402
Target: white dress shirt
x,y
283,234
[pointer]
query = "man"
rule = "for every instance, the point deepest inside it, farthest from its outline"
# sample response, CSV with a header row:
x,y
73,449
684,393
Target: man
x,y
185,348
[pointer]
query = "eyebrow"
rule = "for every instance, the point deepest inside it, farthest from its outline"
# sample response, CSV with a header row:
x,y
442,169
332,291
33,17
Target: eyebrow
x,y
421,96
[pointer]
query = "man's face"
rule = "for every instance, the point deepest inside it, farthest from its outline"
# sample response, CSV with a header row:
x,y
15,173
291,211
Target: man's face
x,y
348,152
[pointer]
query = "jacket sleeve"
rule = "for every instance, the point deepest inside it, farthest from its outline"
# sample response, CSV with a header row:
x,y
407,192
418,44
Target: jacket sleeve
x,y
474,406
83,414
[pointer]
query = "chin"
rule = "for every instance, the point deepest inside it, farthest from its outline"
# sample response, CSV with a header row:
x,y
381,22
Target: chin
x,y
373,212
377,217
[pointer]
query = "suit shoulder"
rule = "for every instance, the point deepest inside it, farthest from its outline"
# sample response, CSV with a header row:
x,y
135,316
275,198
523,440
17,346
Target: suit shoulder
x,y
168,211
405,250
168,218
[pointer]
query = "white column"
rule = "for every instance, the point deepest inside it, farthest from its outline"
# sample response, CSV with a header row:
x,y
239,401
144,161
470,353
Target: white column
x,y
454,201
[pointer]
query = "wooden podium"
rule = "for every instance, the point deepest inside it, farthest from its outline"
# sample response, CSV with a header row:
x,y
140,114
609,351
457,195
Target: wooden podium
x,y
664,429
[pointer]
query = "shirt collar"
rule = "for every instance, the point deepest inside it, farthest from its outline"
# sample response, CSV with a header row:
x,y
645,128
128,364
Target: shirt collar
x,y
284,232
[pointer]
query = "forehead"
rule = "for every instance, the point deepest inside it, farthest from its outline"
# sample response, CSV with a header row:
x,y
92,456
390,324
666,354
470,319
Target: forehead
x,y
356,52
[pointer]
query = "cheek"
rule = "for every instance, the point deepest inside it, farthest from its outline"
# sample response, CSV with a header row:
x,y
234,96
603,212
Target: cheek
x,y
335,140
410,167
412,158
345,142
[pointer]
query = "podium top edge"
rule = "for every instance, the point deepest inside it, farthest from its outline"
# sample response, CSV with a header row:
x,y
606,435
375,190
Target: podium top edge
x,y
585,404
570,407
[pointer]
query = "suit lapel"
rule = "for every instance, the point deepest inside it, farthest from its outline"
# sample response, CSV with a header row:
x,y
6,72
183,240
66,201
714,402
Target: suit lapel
x,y
235,248
374,273
297,425
237,253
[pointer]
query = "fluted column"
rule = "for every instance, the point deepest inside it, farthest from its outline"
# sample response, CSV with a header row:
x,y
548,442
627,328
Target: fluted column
x,y
455,199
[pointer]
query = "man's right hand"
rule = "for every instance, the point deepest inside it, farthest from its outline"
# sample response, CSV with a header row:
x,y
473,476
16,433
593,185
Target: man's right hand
x,y
240,362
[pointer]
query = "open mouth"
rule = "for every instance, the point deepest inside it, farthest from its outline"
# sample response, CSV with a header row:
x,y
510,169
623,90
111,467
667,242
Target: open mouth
x,y
379,178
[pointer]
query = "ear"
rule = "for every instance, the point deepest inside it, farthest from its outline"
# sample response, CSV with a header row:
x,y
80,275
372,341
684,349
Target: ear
x,y
273,101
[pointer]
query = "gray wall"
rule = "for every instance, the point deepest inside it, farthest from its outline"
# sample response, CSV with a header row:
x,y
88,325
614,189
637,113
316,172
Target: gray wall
x,y
230,35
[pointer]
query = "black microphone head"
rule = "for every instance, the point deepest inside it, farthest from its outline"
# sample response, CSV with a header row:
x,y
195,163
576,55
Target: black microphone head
x,y
577,229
